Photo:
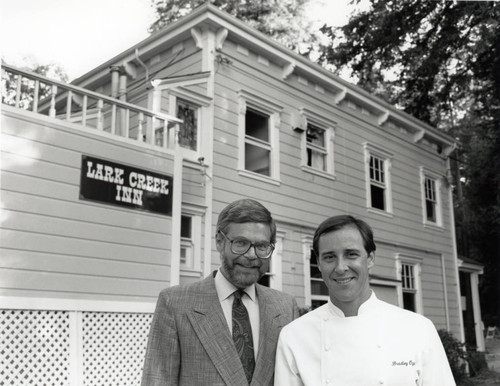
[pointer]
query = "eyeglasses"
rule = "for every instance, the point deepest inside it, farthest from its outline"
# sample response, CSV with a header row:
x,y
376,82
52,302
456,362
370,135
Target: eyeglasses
x,y
241,245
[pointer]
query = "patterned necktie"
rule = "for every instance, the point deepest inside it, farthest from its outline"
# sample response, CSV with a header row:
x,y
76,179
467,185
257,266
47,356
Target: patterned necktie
x,y
242,335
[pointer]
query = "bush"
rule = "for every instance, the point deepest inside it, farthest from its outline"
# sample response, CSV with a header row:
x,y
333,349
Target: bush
x,y
455,353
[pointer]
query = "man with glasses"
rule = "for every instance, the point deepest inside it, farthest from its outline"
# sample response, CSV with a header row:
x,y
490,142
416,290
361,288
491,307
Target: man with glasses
x,y
223,330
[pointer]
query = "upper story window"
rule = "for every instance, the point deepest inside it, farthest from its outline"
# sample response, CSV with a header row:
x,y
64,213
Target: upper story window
x,y
317,143
257,144
408,272
316,147
258,137
188,130
378,178
190,106
431,198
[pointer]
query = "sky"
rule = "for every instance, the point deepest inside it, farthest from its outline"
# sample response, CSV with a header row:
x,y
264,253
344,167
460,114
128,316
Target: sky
x,y
79,35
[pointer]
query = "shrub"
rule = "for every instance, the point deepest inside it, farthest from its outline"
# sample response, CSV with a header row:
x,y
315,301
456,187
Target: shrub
x,y
455,353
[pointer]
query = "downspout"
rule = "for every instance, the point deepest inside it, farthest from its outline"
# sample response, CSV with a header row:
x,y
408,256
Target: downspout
x,y
455,254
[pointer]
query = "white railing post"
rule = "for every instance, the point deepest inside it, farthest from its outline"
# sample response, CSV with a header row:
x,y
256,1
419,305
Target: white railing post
x,y
140,128
100,105
53,93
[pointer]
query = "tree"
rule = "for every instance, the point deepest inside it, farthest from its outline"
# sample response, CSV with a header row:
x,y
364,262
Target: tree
x,y
440,62
283,20
9,82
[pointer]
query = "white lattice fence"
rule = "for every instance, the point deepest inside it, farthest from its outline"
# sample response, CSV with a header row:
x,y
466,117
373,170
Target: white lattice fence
x,y
72,347
34,347
114,346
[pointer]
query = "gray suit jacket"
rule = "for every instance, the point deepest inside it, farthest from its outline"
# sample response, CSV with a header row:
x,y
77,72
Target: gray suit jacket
x,y
190,343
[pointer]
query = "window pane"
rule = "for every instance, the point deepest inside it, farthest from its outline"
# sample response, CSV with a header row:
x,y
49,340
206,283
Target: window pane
x,y
409,301
315,135
257,125
186,227
188,130
318,287
317,303
430,209
377,196
316,160
257,159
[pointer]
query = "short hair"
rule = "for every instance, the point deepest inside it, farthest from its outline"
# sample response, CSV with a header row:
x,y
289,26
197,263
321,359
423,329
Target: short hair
x,y
246,210
338,222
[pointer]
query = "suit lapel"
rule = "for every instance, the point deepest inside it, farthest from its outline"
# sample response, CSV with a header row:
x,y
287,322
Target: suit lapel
x,y
209,324
270,325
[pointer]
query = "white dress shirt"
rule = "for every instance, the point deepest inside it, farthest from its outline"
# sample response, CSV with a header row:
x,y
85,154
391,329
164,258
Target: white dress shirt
x,y
225,290
383,345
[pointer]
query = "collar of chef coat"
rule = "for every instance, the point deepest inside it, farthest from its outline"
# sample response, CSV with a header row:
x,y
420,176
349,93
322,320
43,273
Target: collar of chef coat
x,y
367,307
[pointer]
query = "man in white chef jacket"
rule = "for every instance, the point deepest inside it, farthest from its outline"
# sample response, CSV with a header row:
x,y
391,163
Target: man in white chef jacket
x,y
357,339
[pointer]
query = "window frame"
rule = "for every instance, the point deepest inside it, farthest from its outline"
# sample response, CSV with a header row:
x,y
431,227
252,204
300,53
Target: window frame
x,y
426,174
309,117
259,105
370,151
196,214
165,100
275,272
307,243
416,264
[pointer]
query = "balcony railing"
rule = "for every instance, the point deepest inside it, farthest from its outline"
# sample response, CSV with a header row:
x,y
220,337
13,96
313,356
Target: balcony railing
x,y
29,91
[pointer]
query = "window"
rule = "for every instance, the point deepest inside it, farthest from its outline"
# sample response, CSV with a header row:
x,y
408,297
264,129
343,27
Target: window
x,y
272,278
191,223
257,145
316,147
258,137
431,200
317,143
190,106
316,291
378,181
408,272
187,244
188,130
408,287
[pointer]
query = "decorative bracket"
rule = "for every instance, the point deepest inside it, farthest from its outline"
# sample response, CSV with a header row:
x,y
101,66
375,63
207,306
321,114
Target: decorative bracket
x,y
220,38
287,70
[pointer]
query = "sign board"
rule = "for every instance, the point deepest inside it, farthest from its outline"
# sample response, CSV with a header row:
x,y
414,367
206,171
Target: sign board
x,y
112,183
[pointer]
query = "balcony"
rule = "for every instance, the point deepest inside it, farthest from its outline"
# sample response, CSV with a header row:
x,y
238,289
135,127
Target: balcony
x,y
93,111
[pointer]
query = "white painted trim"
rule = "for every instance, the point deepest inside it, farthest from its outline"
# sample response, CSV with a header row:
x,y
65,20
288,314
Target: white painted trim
x,y
53,304
307,242
416,262
426,173
276,279
376,151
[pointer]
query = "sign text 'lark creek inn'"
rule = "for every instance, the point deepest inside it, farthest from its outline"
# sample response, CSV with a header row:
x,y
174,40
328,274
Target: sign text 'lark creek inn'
x,y
112,183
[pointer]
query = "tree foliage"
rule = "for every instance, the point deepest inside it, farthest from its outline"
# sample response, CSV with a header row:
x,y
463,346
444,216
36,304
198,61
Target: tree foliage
x,y
283,20
440,62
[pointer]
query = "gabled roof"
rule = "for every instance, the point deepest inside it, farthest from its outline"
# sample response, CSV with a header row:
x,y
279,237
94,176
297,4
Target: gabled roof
x,y
207,15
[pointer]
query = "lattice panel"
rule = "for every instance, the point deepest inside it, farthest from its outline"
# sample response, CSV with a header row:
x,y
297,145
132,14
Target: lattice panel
x,y
114,345
34,347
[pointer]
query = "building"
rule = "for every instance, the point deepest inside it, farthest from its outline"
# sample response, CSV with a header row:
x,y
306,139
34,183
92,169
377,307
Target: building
x,y
102,207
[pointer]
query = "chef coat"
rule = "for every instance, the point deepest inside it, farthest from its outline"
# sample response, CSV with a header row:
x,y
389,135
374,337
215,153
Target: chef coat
x,y
382,345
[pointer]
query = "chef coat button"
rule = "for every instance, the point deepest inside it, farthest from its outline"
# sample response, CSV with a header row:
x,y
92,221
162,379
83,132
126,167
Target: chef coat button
x,y
327,348
381,382
379,346
328,380
325,318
